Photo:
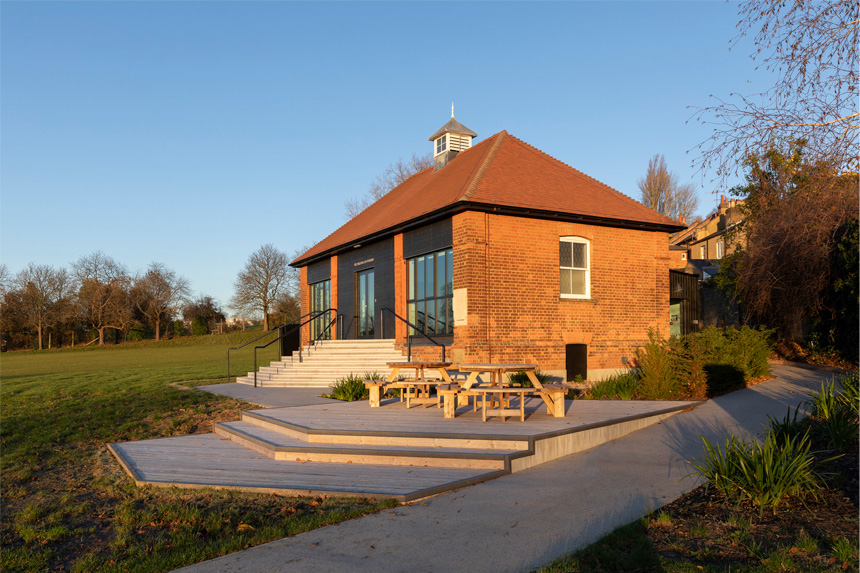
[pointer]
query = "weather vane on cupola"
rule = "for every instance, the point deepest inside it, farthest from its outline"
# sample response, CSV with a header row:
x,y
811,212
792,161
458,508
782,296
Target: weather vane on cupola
x,y
449,140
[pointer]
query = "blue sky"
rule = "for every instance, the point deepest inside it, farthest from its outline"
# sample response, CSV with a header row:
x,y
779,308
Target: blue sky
x,y
191,133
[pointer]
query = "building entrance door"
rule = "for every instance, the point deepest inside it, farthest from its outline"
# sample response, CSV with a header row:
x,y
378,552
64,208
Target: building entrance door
x,y
675,319
365,303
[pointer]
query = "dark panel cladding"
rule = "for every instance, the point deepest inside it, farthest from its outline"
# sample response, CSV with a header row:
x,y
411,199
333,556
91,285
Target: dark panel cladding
x,y
684,288
378,256
428,239
320,271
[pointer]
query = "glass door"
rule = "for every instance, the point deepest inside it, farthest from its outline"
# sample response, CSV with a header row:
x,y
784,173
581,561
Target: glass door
x,y
365,303
320,301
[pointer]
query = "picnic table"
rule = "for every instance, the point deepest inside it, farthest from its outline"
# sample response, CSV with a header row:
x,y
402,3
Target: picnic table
x,y
416,389
498,393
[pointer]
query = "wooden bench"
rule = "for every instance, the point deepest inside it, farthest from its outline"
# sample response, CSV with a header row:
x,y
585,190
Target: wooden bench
x,y
553,397
377,389
415,391
501,396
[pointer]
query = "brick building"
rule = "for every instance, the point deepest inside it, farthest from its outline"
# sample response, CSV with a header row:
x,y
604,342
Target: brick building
x,y
503,254
706,240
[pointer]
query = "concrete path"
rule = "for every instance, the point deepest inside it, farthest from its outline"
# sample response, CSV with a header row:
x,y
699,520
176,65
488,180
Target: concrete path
x,y
525,520
270,397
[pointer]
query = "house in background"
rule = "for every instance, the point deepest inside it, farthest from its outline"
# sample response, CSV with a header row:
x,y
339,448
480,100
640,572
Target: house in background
x,y
706,239
503,254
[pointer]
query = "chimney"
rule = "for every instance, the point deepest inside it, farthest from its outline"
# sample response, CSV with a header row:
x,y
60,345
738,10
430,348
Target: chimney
x,y
682,219
722,199
449,140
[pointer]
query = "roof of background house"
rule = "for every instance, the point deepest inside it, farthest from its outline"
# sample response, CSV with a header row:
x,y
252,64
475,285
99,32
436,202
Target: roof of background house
x,y
501,172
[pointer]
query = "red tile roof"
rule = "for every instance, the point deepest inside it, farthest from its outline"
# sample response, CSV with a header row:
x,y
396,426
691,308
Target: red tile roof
x,y
500,171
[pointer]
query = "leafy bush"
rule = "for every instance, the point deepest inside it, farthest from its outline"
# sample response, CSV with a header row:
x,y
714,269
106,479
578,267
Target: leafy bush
x,y
179,327
702,364
763,473
352,388
748,349
522,378
622,385
658,370
199,326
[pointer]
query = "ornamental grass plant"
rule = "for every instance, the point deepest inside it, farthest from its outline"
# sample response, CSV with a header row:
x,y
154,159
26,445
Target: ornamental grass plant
x,y
763,473
622,386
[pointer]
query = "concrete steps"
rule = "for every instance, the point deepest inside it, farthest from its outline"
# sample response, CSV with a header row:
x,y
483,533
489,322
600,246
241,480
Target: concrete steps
x,y
320,365
277,444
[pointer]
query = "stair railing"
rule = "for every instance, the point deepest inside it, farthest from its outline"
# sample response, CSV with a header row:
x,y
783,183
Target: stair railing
x,y
408,337
265,334
312,316
338,319
348,326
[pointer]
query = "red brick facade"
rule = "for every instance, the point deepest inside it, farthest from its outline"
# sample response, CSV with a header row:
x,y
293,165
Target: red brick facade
x,y
509,268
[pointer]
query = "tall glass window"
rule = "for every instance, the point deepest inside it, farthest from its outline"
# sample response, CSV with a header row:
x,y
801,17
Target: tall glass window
x,y
320,301
430,293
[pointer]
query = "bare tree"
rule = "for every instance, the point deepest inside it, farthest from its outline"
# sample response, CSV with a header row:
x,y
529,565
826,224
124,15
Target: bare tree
x,y
794,210
263,278
5,280
158,294
103,292
662,191
394,175
812,47
44,291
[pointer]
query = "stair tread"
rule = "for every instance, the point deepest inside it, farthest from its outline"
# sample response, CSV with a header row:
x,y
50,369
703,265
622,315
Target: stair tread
x,y
280,440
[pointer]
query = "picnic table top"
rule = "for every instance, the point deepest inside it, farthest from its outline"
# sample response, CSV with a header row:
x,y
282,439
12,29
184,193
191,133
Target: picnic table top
x,y
419,363
489,367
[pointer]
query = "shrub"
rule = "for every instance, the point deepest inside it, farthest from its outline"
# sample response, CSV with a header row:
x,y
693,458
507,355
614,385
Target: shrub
x,y
658,370
352,388
623,386
763,473
179,327
748,349
522,378
199,326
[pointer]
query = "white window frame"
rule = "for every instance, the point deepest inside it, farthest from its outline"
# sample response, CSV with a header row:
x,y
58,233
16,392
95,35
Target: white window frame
x,y
719,249
443,144
587,269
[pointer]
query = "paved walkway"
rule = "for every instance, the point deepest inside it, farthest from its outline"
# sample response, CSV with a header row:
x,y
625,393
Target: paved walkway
x,y
525,520
270,397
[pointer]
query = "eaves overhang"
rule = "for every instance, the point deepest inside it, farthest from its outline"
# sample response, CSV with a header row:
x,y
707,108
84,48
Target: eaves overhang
x,y
461,206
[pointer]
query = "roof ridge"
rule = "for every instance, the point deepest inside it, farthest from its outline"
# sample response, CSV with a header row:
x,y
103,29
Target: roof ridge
x,y
472,184
582,175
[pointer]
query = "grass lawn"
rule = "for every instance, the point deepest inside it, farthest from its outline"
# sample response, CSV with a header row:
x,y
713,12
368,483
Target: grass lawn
x,y
67,504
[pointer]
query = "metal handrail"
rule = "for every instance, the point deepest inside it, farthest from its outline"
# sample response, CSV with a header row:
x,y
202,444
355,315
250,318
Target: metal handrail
x,y
351,321
408,337
267,333
313,316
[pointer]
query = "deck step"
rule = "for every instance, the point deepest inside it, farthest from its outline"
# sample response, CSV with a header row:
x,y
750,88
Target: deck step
x,y
280,446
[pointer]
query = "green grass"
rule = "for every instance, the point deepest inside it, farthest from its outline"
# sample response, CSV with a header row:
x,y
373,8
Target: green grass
x,y
65,500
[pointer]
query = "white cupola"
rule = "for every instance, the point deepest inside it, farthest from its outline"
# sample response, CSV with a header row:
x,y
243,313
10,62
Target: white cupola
x,y
449,140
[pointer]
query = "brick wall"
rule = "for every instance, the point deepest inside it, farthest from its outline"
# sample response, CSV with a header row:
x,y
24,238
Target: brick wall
x,y
509,266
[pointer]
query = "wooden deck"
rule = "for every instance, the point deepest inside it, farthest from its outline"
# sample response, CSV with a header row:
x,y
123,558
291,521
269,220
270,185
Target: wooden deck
x,y
349,449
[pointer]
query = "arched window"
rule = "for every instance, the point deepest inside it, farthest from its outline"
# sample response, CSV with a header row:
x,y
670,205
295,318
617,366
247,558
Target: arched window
x,y
574,254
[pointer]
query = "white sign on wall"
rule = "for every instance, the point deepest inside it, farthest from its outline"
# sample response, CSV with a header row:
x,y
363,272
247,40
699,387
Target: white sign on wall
x,y
460,307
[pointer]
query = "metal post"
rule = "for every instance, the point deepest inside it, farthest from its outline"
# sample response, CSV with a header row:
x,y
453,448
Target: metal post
x,y
255,367
228,365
